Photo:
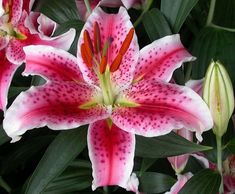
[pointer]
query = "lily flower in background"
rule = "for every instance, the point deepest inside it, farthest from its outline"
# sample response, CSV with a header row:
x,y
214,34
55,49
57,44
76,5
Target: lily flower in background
x,y
181,180
229,175
20,27
178,163
83,12
111,85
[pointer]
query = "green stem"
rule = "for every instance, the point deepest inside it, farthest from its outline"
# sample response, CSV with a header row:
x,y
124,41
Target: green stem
x,y
4,185
222,28
219,162
211,12
146,8
88,7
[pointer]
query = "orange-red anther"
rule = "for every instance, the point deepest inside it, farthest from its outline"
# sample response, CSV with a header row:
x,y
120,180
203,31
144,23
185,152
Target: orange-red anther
x,y
88,43
86,58
116,63
103,64
126,43
97,39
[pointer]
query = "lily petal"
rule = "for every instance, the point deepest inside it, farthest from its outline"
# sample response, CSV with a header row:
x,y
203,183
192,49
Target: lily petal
x,y
1,8
27,5
181,180
160,107
113,27
15,10
159,59
39,23
111,151
15,52
196,85
51,63
46,25
229,184
3,42
55,105
7,71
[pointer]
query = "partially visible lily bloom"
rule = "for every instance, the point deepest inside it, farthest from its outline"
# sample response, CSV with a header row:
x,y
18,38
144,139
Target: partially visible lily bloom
x,y
83,13
111,85
178,163
229,175
181,180
18,28
218,94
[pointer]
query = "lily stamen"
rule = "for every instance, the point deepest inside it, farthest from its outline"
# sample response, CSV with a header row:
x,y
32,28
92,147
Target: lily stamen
x,y
97,39
125,46
103,64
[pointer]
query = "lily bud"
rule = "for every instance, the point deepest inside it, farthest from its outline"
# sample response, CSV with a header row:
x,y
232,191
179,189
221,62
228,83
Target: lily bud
x,y
218,94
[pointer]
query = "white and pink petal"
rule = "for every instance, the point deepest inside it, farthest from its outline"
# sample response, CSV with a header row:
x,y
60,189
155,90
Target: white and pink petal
x,y
195,85
16,55
111,152
56,105
181,180
51,63
161,58
159,108
7,71
15,10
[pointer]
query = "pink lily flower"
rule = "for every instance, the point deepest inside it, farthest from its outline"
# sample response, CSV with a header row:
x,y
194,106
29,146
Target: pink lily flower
x,y
18,29
83,13
111,85
181,180
178,163
229,175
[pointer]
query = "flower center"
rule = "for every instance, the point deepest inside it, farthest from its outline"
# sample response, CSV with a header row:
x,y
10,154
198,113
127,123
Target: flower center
x,y
95,56
7,29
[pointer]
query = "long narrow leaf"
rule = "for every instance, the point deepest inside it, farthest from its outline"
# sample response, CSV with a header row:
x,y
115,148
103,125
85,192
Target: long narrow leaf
x,y
165,146
66,146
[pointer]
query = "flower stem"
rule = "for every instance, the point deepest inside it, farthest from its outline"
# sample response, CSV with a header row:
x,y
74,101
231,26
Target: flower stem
x,y
219,162
88,7
4,185
211,12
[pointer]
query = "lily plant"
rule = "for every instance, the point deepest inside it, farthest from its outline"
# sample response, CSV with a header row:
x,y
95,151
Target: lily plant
x,y
19,27
114,87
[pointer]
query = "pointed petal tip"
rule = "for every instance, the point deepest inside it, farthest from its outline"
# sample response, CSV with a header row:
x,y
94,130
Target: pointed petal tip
x,y
15,139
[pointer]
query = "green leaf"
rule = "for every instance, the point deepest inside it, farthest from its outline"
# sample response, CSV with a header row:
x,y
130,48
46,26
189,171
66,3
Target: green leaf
x,y
71,180
224,14
177,11
146,163
204,182
231,146
213,44
22,153
66,146
64,27
152,182
165,146
13,91
3,136
155,24
59,10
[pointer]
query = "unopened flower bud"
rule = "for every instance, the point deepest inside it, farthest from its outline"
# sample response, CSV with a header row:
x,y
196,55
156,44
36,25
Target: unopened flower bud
x,y
218,94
